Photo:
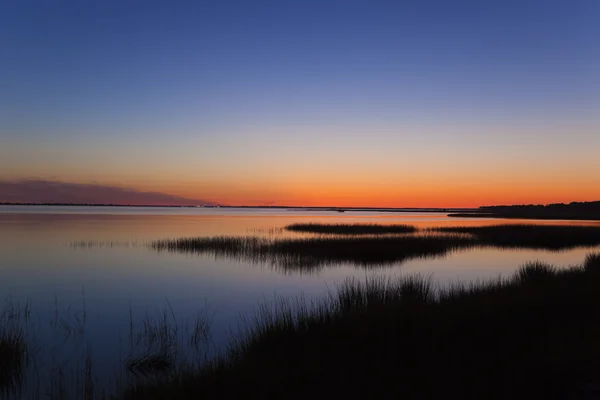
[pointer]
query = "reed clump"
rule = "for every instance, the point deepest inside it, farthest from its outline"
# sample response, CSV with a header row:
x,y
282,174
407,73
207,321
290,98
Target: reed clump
x,y
12,359
308,253
13,348
351,229
373,245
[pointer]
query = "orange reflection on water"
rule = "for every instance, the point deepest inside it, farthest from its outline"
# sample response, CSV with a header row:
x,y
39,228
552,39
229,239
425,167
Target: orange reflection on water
x,y
142,225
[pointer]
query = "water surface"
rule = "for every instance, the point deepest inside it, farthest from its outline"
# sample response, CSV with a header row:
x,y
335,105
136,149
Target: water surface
x,y
116,277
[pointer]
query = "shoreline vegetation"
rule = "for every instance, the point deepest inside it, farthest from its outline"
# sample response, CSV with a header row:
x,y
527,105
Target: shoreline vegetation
x,y
347,243
533,335
308,253
572,211
13,353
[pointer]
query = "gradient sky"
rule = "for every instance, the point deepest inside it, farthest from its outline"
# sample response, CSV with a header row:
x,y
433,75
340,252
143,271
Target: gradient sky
x,y
373,103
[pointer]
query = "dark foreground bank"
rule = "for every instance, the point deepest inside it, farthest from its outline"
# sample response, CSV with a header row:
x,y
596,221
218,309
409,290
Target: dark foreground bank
x,y
535,335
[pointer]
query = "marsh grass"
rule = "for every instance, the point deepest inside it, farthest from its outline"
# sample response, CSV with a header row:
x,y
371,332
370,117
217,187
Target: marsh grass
x,y
13,353
533,335
351,229
160,345
309,253
547,237
373,245
158,338
592,263
266,231
535,272
14,350
90,244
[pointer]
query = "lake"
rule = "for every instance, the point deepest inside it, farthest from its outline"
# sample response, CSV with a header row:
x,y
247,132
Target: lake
x,y
67,262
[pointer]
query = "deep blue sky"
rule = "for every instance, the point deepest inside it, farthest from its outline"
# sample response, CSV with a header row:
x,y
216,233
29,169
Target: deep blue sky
x,y
143,75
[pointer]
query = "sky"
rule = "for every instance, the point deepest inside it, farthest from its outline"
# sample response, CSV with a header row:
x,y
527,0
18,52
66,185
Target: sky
x,y
424,103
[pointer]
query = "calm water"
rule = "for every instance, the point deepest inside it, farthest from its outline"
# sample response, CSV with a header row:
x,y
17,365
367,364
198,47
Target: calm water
x,y
39,263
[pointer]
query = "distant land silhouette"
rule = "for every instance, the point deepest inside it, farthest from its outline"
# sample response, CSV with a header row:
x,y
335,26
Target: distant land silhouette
x,y
292,208
102,205
47,192
575,210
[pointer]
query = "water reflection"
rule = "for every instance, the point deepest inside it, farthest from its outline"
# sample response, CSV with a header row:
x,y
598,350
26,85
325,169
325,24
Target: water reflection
x,y
126,280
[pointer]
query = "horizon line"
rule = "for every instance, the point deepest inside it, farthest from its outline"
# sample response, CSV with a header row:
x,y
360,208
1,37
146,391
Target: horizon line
x,y
191,205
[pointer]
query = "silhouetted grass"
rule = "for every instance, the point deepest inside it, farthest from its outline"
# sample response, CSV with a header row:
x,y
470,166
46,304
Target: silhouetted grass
x,y
158,337
550,237
535,272
88,244
535,335
308,253
592,263
12,359
13,348
369,250
351,229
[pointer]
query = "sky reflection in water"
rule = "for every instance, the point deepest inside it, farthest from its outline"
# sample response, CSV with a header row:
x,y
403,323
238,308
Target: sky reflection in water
x,y
38,263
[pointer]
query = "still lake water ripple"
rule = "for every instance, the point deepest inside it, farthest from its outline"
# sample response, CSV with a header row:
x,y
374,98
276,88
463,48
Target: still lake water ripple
x,y
116,276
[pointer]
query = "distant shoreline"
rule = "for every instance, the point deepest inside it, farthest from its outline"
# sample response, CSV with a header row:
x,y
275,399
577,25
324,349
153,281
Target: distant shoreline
x,y
575,211
298,208
102,205
516,216
589,211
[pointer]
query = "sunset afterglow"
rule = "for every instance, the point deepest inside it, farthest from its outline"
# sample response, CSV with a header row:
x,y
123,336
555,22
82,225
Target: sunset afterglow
x,y
399,105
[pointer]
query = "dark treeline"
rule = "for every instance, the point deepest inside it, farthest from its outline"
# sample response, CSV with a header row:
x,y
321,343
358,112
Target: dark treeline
x,y
98,205
574,210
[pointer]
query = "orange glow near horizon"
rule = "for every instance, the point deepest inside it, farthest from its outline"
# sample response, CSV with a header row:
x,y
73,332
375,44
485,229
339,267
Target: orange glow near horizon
x,y
372,189
377,193
381,195
356,189
395,105
428,168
